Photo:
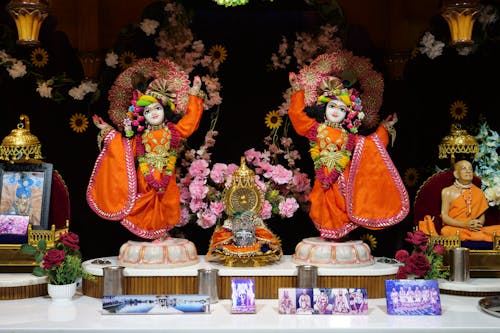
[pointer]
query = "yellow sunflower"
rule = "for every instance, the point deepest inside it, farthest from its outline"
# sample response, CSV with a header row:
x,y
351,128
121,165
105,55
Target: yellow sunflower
x,y
78,122
458,110
411,177
273,120
39,57
370,240
127,59
218,53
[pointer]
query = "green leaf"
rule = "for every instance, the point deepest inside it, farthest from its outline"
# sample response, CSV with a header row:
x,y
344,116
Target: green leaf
x,y
42,245
38,271
28,249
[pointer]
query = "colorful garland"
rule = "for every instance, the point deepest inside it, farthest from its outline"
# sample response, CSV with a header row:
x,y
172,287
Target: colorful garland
x,y
336,64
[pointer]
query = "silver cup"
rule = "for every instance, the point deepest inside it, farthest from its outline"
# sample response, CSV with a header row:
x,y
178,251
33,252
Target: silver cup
x,y
114,281
307,276
208,283
459,264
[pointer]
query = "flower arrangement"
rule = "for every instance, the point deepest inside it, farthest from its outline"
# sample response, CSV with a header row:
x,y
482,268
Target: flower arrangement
x,y
487,165
202,186
61,264
425,261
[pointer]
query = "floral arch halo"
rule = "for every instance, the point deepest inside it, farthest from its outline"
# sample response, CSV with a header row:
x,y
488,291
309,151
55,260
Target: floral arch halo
x,y
120,94
371,82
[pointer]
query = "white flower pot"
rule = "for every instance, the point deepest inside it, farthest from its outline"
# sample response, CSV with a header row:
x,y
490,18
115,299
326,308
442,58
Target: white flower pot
x,y
61,293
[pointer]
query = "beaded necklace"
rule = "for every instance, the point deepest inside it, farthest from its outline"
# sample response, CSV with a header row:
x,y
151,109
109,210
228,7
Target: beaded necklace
x,y
162,157
340,157
466,193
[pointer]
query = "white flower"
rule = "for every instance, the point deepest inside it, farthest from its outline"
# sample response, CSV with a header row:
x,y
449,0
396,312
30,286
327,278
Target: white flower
x,y
18,69
431,47
44,89
85,87
361,115
487,15
111,59
487,166
149,26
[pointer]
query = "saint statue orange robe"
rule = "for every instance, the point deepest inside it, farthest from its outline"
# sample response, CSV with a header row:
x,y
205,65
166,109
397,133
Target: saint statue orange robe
x,y
368,193
458,211
118,189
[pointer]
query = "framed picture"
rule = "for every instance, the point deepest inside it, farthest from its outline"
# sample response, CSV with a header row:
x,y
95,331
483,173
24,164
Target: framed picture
x,y
155,304
413,297
25,190
243,295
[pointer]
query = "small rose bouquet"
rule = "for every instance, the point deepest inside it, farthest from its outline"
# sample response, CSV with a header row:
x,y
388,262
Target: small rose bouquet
x,y
425,261
61,264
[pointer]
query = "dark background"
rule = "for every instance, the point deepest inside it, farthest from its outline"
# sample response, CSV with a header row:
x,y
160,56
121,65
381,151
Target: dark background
x,y
250,34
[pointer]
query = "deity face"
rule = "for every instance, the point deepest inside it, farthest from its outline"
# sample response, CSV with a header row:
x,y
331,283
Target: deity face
x,y
154,114
335,111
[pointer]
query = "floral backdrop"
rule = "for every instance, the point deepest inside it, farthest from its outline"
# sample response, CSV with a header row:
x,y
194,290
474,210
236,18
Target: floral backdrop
x,y
243,55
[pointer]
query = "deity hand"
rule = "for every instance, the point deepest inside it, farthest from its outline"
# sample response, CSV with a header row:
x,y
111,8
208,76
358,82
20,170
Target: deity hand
x,y
196,88
391,120
294,82
100,123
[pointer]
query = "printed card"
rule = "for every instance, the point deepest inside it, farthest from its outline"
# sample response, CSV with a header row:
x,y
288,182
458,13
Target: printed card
x,y
325,301
413,297
14,224
243,295
155,304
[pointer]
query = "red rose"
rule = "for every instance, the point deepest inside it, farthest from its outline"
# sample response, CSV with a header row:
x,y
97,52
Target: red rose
x,y
439,249
402,273
53,258
70,239
418,264
402,255
417,238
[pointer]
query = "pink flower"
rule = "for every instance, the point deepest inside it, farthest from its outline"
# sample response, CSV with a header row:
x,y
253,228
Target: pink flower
x,y
218,173
197,205
199,169
280,175
53,258
198,189
266,211
252,155
184,217
217,207
207,220
288,207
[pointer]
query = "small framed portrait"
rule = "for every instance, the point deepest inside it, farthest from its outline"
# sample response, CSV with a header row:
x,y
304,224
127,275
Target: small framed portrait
x,y
322,301
14,224
243,295
286,301
304,299
413,297
25,191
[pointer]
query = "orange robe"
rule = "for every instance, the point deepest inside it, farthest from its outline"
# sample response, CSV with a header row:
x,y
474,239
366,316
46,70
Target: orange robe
x,y
458,211
119,191
369,192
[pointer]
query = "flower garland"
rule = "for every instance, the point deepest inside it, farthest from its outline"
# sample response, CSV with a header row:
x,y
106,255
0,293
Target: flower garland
x,y
340,164
147,169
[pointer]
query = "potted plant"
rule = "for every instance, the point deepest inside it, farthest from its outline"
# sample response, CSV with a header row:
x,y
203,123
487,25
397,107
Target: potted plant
x,y
62,264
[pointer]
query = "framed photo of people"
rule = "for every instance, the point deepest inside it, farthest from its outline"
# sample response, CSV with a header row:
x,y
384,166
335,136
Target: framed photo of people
x,y
25,191
413,297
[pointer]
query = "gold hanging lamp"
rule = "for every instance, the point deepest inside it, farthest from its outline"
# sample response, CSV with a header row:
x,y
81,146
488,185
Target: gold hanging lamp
x,y
460,16
457,142
20,144
29,16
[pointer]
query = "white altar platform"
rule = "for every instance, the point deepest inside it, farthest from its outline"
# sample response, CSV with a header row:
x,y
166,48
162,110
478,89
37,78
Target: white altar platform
x,y
83,315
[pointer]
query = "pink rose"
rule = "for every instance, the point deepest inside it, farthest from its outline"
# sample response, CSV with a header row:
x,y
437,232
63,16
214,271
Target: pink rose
x,y
53,258
70,239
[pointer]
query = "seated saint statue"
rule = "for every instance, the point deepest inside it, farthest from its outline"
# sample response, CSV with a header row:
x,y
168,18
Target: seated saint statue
x,y
243,239
463,207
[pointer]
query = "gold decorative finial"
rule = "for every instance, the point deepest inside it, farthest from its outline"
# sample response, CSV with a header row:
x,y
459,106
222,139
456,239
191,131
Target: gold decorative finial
x,y
20,144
